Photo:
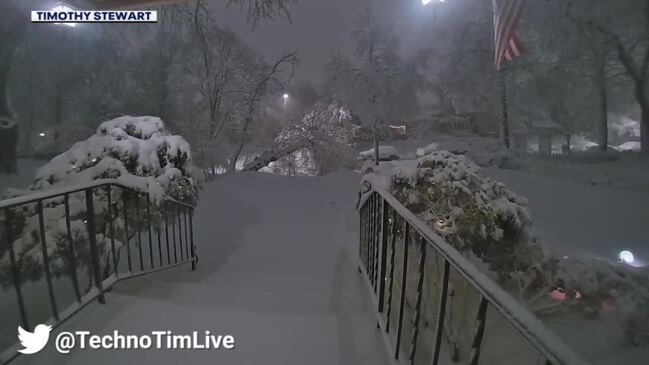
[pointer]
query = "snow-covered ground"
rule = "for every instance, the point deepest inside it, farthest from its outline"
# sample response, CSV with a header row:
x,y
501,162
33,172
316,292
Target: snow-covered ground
x,y
26,170
276,271
577,218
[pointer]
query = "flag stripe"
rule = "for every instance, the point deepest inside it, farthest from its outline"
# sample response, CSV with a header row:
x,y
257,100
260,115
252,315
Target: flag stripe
x,y
506,16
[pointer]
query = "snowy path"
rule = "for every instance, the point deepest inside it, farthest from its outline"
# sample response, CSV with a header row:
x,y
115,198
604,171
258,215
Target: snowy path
x,y
275,271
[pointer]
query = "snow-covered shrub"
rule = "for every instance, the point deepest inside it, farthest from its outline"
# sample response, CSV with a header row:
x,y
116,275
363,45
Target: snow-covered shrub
x,y
471,213
487,222
136,152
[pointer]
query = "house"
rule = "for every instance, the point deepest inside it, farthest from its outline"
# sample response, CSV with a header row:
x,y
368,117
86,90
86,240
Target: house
x,y
540,132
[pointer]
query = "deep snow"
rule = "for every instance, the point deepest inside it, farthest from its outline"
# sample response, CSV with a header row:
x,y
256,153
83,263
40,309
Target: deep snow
x,y
577,218
276,270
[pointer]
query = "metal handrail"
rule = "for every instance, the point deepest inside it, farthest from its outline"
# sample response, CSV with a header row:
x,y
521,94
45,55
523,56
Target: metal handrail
x,y
379,211
172,219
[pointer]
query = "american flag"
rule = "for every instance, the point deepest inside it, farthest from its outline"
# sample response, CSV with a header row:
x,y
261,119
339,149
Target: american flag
x,y
506,15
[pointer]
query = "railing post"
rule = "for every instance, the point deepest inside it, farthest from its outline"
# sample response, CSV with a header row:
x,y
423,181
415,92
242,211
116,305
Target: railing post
x,y
420,286
15,272
393,243
173,233
92,239
404,283
439,330
73,259
159,232
378,231
372,230
191,238
148,219
127,238
111,229
384,248
166,219
187,244
138,224
476,344
46,261
180,235
361,219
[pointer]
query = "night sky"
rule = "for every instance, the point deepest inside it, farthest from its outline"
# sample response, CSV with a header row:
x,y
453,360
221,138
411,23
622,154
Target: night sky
x,y
321,26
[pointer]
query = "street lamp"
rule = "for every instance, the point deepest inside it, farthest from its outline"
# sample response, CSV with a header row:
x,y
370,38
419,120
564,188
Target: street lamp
x,y
64,7
426,2
285,97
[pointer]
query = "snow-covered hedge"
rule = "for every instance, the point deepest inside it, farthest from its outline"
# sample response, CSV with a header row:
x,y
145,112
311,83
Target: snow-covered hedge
x,y
137,152
491,226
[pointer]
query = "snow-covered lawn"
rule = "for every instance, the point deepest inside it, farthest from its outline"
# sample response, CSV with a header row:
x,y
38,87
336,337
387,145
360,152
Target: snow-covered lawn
x,y
26,170
578,218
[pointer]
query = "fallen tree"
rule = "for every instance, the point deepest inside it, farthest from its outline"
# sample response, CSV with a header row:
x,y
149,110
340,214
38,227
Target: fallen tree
x,y
325,132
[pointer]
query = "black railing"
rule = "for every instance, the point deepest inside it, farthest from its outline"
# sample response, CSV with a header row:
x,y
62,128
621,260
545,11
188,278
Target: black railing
x,y
434,306
76,243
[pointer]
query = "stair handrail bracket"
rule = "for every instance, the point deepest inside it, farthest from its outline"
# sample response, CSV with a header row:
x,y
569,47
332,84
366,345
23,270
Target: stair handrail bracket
x,y
387,229
101,232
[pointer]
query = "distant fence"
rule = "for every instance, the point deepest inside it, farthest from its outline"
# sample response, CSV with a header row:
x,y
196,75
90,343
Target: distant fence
x,y
84,240
435,307
575,157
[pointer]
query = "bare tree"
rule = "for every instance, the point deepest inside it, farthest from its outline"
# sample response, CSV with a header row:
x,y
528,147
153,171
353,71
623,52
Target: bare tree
x,y
260,81
624,25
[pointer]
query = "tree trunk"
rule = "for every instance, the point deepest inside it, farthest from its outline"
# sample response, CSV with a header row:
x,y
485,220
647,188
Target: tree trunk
x,y
603,116
644,129
504,128
643,101
11,28
8,126
235,158
377,154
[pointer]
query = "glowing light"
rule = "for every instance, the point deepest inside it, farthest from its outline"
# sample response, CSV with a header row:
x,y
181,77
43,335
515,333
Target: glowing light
x,y
41,134
285,96
64,8
626,257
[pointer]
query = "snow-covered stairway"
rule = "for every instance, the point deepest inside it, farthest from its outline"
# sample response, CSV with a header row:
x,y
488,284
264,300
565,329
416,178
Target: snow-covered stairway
x,y
276,271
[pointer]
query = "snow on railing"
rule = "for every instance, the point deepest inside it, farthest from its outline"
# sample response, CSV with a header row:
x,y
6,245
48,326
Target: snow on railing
x,y
97,233
438,285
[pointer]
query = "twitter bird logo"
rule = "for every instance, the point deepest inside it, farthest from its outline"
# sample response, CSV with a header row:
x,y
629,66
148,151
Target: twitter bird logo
x,y
34,342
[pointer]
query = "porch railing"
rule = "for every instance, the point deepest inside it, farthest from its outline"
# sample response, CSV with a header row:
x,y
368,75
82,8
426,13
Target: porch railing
x,y
435,307
63,248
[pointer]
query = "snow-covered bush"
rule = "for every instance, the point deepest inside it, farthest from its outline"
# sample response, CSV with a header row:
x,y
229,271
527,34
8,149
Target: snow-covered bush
x,y
491,225
136,152
475,215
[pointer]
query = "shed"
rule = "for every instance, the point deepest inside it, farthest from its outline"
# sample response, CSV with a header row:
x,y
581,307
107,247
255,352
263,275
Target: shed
x,y
541,130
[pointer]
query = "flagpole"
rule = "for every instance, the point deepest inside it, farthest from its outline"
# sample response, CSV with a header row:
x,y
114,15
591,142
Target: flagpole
x,y
505,109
